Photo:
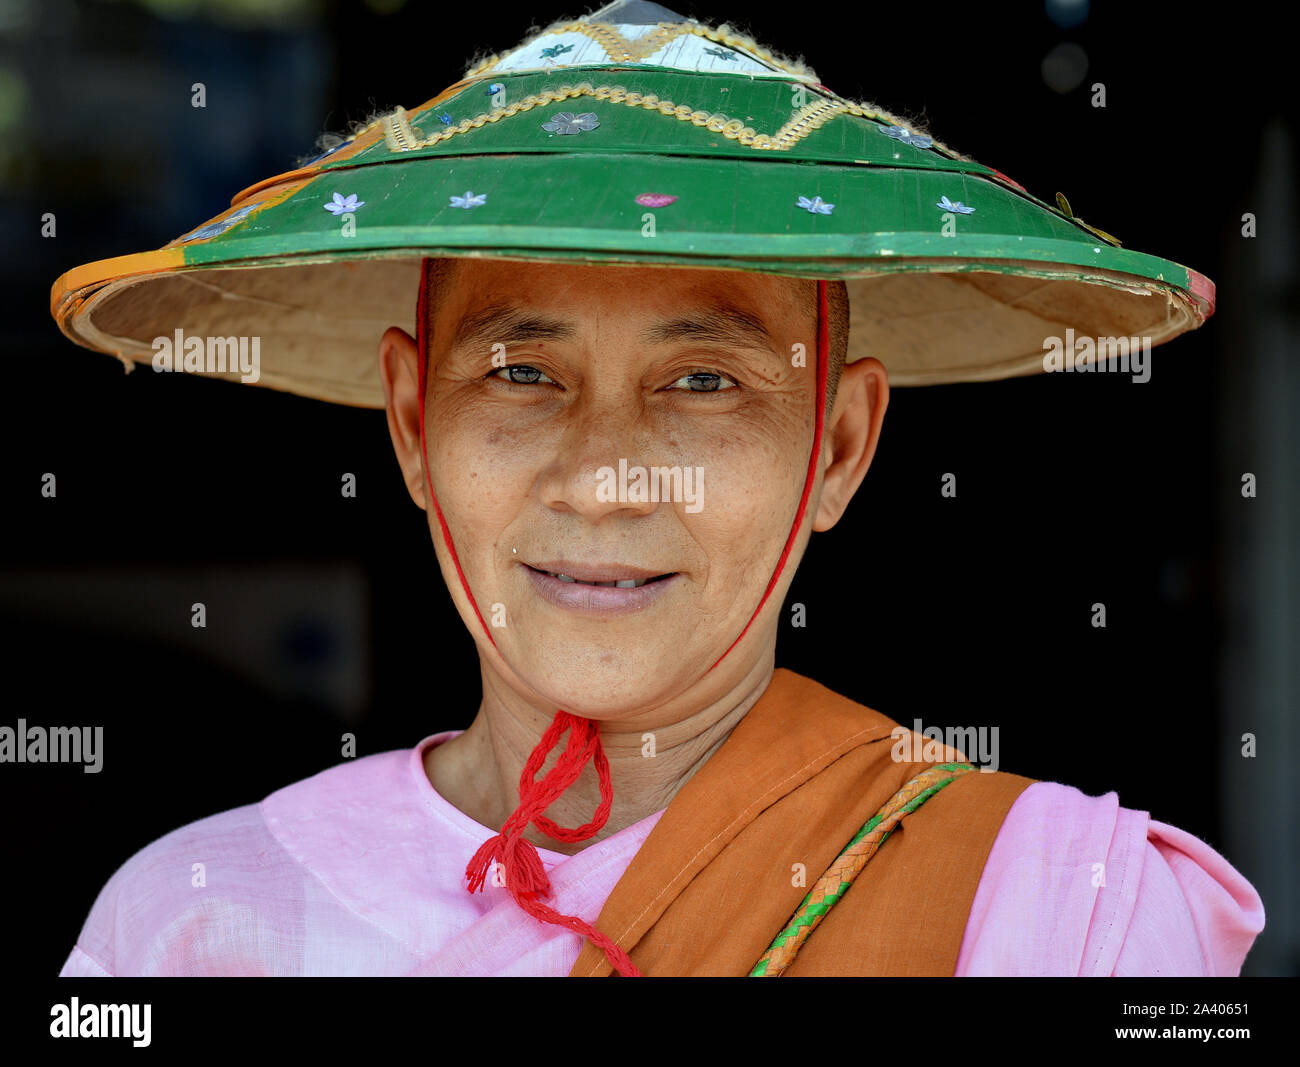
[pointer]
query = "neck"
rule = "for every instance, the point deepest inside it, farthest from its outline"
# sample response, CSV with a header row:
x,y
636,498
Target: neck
x,y
478,772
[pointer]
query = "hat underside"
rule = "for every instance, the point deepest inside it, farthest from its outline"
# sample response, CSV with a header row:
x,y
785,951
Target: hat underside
x,y
319,324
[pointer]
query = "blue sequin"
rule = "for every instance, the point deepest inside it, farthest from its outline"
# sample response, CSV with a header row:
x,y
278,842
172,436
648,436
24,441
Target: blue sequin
x,y
339,205
221,226
953,205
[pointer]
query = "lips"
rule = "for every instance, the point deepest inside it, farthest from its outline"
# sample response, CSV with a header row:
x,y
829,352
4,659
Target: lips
x,y
620,583
616,575
625,583
599,590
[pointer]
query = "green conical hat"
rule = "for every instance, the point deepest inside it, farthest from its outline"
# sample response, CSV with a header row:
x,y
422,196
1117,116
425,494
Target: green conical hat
x,y
637,136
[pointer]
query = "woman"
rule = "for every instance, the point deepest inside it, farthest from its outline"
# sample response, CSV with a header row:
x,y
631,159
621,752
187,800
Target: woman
x,y
621,465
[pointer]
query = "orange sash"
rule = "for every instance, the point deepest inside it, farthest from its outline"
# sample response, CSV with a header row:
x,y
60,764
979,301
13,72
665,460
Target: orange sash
x,y
717,879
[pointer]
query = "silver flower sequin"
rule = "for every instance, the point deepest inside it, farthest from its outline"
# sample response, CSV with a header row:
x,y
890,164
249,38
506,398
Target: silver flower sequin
x,y
816,205
567,122
898,133
469,200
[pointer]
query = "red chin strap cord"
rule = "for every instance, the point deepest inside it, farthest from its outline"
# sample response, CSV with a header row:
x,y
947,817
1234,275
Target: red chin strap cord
x,y
516,858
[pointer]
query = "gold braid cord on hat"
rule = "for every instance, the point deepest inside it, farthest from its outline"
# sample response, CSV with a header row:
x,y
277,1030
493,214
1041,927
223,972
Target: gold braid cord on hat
x,y
401,136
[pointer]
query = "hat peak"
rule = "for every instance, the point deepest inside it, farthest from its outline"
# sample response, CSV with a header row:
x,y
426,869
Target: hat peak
x,y
639,32
634,13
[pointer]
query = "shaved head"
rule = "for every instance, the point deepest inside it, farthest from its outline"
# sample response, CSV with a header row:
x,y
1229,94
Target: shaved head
x,y
804,294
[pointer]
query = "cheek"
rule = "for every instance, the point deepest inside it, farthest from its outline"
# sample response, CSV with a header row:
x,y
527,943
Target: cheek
x,y
753,470
485,460
481,469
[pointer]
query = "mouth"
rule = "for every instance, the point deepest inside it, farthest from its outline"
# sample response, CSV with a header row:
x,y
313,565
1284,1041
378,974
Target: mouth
x,y
598,590
627,582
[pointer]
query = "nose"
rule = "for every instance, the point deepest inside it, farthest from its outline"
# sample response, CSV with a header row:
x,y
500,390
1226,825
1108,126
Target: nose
x,y
604,436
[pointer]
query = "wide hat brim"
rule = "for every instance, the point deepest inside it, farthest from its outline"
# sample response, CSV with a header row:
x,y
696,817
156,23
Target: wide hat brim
x,y
954,272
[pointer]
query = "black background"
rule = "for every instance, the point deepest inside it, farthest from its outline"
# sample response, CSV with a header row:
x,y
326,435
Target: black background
x,y
969,611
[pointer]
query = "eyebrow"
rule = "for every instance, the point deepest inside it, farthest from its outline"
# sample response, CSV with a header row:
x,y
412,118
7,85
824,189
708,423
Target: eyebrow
x,y
502,322
719,324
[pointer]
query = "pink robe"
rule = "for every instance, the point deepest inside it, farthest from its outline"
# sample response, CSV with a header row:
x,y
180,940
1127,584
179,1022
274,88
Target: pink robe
x,y
359,870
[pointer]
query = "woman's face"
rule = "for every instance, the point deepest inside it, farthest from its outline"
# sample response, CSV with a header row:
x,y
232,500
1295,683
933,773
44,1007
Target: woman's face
x,y
554,393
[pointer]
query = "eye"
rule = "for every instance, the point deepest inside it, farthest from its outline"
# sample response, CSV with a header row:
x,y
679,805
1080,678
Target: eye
x,y
705,382
520,374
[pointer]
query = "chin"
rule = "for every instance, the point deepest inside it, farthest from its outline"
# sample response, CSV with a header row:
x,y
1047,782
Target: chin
x,y
601,684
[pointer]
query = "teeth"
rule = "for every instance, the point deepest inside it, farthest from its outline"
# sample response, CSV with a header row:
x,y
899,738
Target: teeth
x,y
625,583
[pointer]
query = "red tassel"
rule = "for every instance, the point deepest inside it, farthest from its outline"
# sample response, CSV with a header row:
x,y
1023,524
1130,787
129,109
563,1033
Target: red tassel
x,y
519,862
517,857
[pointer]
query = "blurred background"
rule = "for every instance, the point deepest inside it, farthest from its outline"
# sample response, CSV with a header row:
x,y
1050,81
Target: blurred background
x,y
329,615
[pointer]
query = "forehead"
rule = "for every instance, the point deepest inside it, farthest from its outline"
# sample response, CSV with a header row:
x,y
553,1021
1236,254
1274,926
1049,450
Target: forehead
x,y
459,287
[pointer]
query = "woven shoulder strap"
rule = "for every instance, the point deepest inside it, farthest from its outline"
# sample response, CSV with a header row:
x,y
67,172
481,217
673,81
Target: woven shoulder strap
x,y
832,885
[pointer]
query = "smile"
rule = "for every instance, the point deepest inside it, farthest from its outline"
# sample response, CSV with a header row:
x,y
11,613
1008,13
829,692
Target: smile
x,y
598,590
621,583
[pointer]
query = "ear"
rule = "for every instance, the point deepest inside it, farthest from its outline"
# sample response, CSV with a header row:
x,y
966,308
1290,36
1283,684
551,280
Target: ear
x,y
399,369
851,436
